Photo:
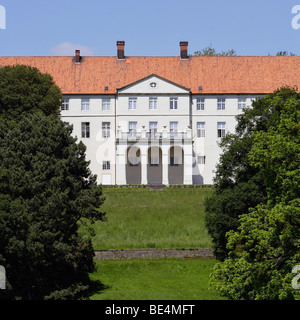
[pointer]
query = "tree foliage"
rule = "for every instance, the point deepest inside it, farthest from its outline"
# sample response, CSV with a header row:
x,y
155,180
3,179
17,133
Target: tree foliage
x,y
209,51
266,245
24,90
241,184
285,53
46,189
46,192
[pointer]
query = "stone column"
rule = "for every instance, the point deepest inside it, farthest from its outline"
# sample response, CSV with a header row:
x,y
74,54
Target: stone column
x,y
188,164
144,164
121,164
165,164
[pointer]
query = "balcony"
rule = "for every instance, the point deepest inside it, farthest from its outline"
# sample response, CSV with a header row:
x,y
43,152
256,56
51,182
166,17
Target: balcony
x,y
144,136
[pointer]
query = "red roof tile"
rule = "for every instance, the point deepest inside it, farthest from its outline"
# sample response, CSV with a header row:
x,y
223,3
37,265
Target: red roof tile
x,y
219,75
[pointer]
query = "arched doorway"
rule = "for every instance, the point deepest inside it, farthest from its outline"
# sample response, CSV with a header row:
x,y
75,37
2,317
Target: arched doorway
x,y
154,167
133,165
176,165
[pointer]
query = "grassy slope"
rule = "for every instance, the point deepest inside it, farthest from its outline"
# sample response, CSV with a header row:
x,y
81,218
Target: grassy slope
x,y
139,218
155,279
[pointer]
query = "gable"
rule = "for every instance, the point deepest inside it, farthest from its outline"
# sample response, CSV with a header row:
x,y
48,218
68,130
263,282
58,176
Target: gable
x,y
153,85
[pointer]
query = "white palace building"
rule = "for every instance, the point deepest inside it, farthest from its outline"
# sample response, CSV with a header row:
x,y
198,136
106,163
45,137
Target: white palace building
x,y
158,120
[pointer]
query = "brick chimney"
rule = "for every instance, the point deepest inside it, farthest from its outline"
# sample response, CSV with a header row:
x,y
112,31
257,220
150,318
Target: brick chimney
x,y
121,51
184,50
77,56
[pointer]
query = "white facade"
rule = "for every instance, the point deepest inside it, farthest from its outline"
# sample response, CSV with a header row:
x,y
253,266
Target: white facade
x,y
153,132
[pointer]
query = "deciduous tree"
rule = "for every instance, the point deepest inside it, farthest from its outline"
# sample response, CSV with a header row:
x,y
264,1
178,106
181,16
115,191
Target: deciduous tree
x,y
266,245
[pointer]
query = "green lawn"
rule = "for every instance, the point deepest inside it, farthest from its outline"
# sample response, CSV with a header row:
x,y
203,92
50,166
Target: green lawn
x,y
139,218
154,279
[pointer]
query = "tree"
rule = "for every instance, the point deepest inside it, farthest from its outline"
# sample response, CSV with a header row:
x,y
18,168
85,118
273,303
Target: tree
x,y
263,252
46,191
284,53
24,90
266,245
276,153
209,51
239,183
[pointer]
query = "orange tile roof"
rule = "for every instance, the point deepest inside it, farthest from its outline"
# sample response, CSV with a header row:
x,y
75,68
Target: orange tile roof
x,y
216,75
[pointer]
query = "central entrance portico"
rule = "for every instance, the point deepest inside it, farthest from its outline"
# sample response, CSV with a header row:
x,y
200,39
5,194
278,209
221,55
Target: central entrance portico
x,y
147,160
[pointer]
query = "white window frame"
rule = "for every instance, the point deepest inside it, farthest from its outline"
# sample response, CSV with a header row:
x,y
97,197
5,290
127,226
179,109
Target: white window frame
x,y
105,129
221,104
221,129
173,129
85,104
242,103
85,130
65,104
200,129
153,127
200,104
173,103
132,103
152,103
106,104
201,159
132,127
105,165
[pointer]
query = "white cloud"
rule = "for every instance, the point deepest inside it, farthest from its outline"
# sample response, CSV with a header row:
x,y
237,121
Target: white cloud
x,y
68,49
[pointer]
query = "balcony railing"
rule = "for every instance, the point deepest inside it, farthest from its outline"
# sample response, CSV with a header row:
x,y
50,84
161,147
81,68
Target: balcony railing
x,y
165,135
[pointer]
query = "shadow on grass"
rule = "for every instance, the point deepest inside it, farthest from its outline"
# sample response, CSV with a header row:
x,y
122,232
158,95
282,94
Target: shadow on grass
x,y
94,287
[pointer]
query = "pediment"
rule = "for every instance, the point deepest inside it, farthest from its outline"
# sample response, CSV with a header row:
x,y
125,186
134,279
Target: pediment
x,y
153,84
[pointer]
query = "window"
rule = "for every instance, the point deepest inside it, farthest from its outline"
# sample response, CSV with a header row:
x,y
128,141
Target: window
x,y
132,129
200,129
200,104
67,124
221,129
201,159
65,105
106,165
85,104
152,128
85,129
132,104
173,103
153,85
221,103
105,129
173,129
153,103
105,104
241,103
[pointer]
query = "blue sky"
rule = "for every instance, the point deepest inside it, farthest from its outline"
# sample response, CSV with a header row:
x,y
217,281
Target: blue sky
x,y
149,27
